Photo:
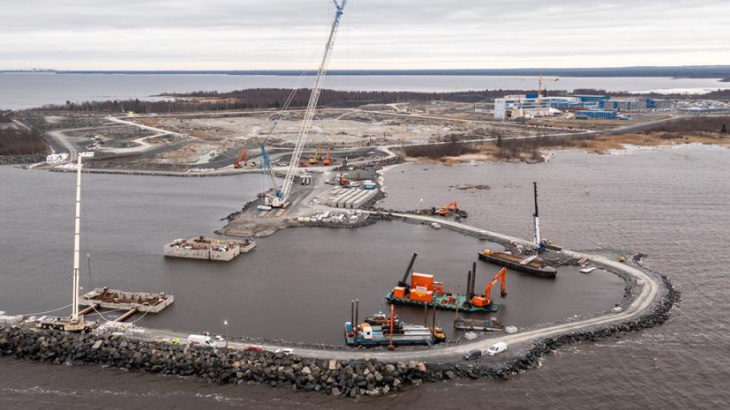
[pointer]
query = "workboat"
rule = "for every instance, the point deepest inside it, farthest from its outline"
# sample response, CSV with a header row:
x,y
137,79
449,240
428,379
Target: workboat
x,y
532,265
380,330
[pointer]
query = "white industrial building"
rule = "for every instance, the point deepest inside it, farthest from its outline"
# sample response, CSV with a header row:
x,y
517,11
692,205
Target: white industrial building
x,y
529,106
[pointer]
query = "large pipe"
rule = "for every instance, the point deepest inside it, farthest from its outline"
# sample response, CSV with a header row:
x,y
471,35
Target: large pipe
x,y
468,285
357,311
473,278
434,318
403,281
537,218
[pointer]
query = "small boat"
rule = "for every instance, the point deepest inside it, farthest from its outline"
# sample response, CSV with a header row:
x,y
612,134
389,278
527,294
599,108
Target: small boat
x,y
588,269
435,225
532,265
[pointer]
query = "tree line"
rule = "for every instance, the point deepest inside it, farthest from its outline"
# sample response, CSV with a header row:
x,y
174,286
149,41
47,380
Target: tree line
x,y
272,98
15,141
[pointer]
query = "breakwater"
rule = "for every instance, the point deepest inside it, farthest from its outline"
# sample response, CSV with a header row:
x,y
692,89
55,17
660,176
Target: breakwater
x,y
350,378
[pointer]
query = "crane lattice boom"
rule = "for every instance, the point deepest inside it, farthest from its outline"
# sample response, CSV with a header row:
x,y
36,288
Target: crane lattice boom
x,y
280,197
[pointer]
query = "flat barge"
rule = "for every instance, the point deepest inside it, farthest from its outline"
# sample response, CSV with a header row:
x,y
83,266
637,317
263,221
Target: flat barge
x,y
208,248
531,265
118,300
485,325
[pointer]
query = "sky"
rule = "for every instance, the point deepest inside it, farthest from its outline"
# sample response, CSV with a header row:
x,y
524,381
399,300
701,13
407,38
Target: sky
x,y
375,34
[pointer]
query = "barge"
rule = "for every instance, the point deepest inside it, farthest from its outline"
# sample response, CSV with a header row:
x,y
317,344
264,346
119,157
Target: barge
x,y
121,300
208,248
381,330
532,265
485,325
424,291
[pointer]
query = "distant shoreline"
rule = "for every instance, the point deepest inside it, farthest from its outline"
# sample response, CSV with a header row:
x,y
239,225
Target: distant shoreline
x,y
719,72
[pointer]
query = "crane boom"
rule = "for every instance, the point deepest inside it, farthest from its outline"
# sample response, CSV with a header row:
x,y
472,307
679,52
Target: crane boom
x,y
279,199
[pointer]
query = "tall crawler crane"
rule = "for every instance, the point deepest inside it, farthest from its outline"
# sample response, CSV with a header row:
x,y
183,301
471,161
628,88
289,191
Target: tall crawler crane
x,y
281,194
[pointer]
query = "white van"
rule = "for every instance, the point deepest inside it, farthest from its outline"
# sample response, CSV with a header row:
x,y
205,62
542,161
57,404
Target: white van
x,y
201,340
497,348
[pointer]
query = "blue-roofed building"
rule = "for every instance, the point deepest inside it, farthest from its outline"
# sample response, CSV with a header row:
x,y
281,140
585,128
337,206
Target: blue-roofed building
x,y
596,115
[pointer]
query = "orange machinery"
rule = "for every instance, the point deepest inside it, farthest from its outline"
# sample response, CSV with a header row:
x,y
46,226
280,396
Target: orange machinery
x,y
448,209
243,157
327,158
422,287
316,157
486,299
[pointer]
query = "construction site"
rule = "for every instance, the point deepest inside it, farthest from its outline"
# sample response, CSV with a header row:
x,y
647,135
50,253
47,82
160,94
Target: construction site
x,y
325,169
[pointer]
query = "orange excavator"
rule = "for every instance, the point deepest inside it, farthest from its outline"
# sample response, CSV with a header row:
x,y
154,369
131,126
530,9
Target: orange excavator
x,y
343,181
316,157
243,157
327,158
451,207
486,299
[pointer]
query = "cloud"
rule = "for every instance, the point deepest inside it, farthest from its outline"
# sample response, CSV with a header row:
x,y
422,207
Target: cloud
x,y
260,34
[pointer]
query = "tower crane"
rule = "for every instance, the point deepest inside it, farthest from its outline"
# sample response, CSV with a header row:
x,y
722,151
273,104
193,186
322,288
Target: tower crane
x,y
538,103
279,198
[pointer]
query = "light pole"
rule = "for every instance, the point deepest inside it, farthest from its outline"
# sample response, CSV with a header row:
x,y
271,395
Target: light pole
x,y
225,323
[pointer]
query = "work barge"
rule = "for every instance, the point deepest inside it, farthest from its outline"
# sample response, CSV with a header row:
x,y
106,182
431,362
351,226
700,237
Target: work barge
x,y
208,249
425,291
388,330
117,299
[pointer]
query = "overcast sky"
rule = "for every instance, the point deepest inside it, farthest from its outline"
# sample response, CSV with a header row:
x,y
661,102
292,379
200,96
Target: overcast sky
x,y
375,34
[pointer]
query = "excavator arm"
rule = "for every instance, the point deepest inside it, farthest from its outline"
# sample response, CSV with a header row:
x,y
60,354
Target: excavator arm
x,y
486,300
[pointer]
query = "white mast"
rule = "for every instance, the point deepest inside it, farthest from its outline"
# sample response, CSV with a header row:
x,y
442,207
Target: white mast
x,y
537,219
77,245
280,197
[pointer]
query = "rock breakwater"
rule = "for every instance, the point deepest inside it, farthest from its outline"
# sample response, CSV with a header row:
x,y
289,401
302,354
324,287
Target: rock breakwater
x,y
337,377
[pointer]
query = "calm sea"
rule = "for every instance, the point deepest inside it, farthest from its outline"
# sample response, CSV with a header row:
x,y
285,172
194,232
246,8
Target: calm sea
x,y
25,90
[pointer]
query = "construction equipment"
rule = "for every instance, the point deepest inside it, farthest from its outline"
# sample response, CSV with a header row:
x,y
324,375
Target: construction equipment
x,y
486,299
327,158
451,207
280,196
538,102
342,180
241,158
315,157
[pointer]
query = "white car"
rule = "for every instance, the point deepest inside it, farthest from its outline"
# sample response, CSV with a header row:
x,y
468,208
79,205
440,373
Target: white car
x,y
497,348
286,351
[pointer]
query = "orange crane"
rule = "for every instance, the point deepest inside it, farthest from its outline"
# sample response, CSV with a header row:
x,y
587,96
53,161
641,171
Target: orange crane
x,y
243,157
486,299
328,158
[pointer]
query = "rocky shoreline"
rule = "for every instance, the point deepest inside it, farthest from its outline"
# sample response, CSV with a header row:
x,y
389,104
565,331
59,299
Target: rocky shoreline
x,y
351,378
